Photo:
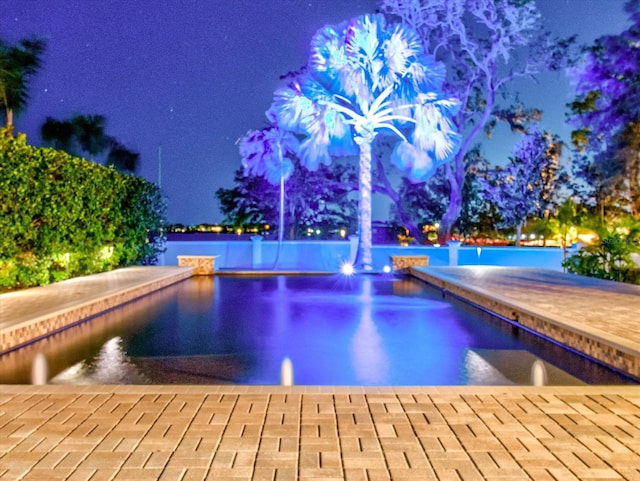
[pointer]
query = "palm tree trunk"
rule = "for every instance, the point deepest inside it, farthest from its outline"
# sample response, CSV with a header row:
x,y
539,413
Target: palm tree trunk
x,y
364,258
9,115
281,222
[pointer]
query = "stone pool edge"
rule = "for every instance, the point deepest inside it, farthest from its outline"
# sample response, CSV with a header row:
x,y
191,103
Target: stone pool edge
x,y
30,330
611,352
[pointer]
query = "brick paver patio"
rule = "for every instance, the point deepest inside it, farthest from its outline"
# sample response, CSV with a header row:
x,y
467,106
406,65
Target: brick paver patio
x,y
277,433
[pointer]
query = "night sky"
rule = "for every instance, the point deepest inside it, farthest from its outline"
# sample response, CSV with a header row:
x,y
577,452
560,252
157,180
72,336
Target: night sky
x,y
193,76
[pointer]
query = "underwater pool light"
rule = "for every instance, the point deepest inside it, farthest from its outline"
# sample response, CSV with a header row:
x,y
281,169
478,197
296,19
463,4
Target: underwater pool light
x,y
386,269
347,269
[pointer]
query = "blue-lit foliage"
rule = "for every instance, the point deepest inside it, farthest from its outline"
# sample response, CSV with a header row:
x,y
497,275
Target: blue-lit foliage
x,y
365,77
266,153
518,189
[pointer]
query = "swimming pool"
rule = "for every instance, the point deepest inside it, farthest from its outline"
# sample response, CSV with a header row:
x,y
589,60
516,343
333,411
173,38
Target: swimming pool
x,y
336,330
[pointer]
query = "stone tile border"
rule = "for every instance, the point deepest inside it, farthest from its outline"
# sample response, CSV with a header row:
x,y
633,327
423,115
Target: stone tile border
x,y
605,347
25,330
202,265
403,263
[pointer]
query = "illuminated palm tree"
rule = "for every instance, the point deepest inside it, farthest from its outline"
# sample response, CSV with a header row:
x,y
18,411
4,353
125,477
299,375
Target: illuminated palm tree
x,y
266,153
17,65
365,77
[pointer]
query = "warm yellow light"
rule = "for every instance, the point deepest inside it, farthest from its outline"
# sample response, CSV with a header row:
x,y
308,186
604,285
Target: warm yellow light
x,y
587,238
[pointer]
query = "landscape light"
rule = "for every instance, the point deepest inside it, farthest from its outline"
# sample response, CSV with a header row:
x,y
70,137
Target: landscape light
x,y
347,269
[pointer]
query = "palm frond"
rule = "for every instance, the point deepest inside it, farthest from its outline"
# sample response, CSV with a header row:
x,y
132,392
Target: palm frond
x,y
264,153
414,163
434,132
293,110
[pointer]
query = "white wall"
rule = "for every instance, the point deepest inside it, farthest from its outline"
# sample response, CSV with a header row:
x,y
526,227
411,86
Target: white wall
x,y
329,255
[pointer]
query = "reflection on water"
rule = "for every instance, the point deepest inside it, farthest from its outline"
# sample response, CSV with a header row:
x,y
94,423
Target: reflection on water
x,y
370,361
507,366
111,366
370,329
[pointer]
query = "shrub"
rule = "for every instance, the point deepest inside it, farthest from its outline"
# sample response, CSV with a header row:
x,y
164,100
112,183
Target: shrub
x,y
63,216
611,256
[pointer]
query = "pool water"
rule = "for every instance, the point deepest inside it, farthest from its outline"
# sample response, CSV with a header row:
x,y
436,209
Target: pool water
x,y
335,330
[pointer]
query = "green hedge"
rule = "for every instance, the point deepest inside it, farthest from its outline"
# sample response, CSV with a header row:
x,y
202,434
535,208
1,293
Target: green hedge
x,y
63,216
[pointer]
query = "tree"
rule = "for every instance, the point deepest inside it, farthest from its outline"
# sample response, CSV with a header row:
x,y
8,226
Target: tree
x,y
517,190
425,201
85,134
364,77
265,152
90,134
252,201
122,159
18,65
606,117
607,85
81,133
60,134
319,198
628,165
478,217
485,44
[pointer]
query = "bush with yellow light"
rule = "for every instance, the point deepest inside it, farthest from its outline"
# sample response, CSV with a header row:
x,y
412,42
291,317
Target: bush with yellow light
x,y
63,216
613,253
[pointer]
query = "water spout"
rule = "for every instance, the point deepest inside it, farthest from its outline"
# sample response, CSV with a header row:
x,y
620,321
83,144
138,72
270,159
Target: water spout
x,y
286,372
39,370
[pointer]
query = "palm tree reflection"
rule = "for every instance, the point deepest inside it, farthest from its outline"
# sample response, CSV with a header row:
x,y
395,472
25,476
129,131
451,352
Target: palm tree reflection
x,y
369,358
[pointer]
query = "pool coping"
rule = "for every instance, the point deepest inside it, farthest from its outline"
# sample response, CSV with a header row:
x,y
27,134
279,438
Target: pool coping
x,y
614,351
21,326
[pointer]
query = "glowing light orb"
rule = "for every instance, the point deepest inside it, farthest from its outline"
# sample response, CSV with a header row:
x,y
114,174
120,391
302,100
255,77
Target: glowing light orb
x,y
347,269
386,269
